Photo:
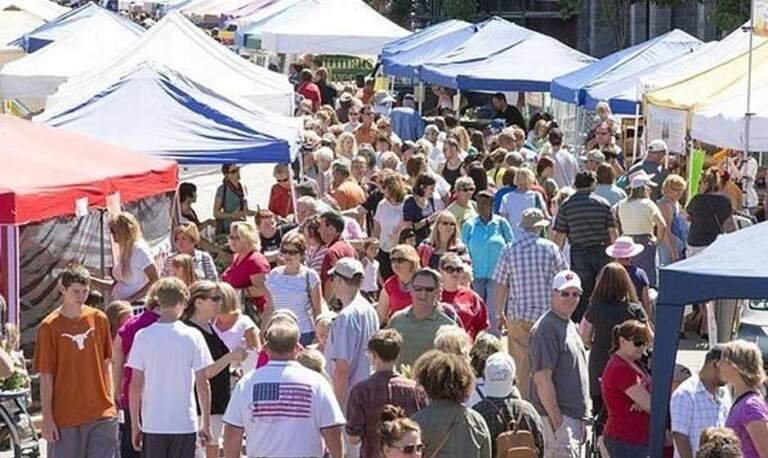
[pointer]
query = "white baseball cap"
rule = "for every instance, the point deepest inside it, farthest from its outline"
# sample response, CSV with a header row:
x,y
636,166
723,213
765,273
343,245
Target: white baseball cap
x,y
657,146
566,279
500,373
347,268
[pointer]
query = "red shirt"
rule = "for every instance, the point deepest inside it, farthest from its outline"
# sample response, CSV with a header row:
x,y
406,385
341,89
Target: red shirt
x,y
470,308
239,273
624,423
309,90
398,298
336,250
280,201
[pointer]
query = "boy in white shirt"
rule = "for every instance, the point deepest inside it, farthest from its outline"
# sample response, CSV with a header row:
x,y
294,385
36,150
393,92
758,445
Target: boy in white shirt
x,y
166,358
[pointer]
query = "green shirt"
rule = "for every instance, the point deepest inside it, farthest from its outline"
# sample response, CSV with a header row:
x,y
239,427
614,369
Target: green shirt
x,y
418,335
463,214
466,431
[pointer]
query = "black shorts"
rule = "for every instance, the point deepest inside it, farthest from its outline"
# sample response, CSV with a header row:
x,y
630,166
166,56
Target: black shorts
x,y
169,445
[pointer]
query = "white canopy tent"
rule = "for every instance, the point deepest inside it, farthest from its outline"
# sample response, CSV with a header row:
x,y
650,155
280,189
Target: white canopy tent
x,y
178,44
14,24
722,123
349,27
97,41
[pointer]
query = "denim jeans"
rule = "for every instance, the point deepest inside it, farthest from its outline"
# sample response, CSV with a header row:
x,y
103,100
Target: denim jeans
x,y
486,289
307,338
587,261
624,449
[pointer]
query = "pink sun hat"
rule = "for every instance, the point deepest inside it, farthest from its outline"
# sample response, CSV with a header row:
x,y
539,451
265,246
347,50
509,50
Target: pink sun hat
x,y
623,248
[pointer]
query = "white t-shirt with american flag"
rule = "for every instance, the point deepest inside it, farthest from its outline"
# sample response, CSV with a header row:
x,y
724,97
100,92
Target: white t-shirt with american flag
x,y
282,407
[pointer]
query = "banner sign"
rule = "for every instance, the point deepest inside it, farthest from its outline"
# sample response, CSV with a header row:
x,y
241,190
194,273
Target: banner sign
x,y
668,124
760,18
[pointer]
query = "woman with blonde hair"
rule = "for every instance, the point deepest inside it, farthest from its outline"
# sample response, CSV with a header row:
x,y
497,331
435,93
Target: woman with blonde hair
x,y
388,219
396,295
186,239
673,247
249,267
183,268
205,299
234,327
741,366
134,270
118,313
453,339
444,238
346,146
514,203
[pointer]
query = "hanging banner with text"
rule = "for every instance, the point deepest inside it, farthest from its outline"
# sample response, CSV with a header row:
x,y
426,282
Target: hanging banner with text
x,y
668,124
695,169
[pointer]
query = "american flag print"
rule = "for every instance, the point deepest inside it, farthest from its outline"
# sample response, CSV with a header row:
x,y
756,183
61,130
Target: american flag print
x,y
281,400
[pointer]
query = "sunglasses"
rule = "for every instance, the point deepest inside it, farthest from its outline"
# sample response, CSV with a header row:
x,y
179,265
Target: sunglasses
x,y
411,449
567,294
639,343
453,269
398,260
424,289
290,252
282,180
467,190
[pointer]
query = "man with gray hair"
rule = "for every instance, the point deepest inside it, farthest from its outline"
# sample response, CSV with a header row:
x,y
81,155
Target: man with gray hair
x,y
265,401
418,324
653,165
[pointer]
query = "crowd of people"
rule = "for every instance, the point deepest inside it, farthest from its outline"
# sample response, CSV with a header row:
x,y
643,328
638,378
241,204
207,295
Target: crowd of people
x,y
410,290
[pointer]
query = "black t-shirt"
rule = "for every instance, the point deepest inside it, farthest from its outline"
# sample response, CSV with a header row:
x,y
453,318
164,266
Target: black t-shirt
x,y
513,117
708,213
220,388
604,317
269,244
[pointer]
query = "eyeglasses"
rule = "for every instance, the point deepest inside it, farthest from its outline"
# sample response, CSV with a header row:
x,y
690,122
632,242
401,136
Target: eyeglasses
x,y
290,252
410,449
567,294
454,269
424,289
398,260
639,343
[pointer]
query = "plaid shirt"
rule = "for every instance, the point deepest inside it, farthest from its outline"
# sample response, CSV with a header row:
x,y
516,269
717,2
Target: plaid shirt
x,y
205,268
693,409
527,268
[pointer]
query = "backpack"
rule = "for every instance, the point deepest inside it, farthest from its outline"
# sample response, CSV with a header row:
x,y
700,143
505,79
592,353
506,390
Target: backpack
x,y
516,442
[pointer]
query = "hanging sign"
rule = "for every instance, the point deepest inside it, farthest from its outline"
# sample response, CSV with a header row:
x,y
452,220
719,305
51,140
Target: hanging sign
x,y
760,18
666,124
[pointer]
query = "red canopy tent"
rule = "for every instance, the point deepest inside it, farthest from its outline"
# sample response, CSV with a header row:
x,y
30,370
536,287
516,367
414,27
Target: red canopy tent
x,y
43,173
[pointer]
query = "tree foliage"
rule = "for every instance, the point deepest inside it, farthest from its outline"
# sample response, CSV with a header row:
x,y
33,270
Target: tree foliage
x,y
460,9
728,15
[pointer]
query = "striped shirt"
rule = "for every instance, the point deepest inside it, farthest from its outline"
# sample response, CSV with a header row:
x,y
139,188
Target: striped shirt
x,y
527,267
585,218
205,268
293,292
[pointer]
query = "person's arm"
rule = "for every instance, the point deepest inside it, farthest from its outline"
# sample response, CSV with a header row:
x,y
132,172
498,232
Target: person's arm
x,y
108,378
383,307
640,396
233,441
376,231
645,301
354,440
118,359
151,272
257,288
6,364
587,331
546,390
682,445
316,297
758,432
559,237
203,388
219,365
134,404
341,379
661,227
669,240
333,442
50,430
501,300
252,339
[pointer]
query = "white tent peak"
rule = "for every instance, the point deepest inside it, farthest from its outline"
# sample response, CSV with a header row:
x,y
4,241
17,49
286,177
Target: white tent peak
x,y
178,44
44,9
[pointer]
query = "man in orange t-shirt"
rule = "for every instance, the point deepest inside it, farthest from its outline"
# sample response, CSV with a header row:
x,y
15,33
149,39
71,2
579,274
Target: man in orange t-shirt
x,y
73,356
347,192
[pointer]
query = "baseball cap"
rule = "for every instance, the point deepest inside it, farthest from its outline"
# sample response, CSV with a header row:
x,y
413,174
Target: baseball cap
x,y
640,179
595,155
658,146
500,372
566,279
347,268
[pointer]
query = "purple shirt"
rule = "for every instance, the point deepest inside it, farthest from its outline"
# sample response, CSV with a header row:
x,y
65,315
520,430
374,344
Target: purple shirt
x,y
748,408
127,333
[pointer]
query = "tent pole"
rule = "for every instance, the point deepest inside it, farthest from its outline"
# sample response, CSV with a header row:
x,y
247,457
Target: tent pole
x,y
748,115
421,97
12,274
293,189
637,127
102,258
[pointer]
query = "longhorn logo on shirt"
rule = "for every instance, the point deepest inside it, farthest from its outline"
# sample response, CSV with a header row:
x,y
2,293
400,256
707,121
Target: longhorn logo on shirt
x,y
79,339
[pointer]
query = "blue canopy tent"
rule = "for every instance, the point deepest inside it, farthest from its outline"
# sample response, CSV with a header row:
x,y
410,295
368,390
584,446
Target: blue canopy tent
x,y
731,268
584,86
65,25
403,57
159,111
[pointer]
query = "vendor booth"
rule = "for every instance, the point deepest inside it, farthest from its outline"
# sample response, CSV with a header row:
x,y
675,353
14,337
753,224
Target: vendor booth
x,y
157,110
180,45
95,41
54,187
731,268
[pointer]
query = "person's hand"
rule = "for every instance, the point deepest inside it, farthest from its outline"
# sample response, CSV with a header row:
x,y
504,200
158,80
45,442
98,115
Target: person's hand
x,y
50,431
238,355
204,435
502,323
136,438
635,408
556,421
